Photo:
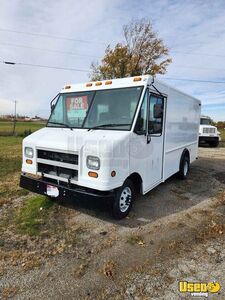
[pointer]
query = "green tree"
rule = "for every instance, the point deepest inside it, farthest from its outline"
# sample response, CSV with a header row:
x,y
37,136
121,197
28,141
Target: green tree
x,y
220,124
142,53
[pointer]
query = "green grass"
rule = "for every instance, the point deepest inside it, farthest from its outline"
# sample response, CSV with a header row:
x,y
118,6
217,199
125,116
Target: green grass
x,y
10,155
33,216
222,134
7,126
10,164
30,219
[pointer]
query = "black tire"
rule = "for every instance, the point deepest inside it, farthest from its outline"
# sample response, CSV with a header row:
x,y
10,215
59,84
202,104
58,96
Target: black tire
x,y
122,207
184,167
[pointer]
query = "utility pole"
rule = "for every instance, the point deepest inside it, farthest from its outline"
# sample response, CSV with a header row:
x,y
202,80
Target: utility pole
x,y
14,120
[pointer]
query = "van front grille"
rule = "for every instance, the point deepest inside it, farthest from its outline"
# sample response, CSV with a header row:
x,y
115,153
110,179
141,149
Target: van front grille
x,y
58,156
57,165
58,171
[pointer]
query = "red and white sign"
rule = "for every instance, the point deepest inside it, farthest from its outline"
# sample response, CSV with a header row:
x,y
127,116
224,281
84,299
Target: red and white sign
x,y
76,103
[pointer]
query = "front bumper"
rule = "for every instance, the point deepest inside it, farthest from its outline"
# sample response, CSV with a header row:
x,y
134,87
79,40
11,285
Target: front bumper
x,y
207,139
39,186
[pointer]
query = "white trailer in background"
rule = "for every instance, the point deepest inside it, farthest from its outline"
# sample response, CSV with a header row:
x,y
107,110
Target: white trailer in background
x,y
112,138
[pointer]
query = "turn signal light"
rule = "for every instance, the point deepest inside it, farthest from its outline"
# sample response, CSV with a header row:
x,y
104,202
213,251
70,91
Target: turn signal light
x,y
88,84
137,78
98,83
93,174
113,173
108,82
29,161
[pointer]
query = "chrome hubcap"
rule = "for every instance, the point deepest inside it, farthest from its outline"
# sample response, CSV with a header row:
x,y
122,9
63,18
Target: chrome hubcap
x,y
125,199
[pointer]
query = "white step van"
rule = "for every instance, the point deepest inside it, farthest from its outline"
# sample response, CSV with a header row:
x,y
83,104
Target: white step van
x,y
208,134
112,138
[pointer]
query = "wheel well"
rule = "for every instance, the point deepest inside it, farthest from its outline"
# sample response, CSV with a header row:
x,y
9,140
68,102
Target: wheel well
x,y
185,153
137,181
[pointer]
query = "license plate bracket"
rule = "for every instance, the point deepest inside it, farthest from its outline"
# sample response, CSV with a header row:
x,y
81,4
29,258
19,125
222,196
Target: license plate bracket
x,y
52,191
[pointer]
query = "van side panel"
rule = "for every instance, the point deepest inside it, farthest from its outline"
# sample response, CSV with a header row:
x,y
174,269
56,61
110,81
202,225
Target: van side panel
x,y
181,128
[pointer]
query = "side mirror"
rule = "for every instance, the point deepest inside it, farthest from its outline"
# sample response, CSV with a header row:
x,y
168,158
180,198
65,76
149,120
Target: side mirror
x,y
157,111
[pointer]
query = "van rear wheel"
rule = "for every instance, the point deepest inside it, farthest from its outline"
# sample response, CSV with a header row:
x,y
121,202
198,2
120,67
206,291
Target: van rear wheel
x,y
184,167
123,200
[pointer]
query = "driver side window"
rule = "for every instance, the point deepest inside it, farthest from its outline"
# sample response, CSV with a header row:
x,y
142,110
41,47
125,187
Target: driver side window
x,y
155,118
154,115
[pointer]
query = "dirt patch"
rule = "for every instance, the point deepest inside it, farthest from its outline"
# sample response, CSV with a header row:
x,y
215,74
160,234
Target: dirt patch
x,y
175,232
220,177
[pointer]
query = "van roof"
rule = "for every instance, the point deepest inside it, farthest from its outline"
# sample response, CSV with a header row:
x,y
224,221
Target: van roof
x,y
106,84
141,80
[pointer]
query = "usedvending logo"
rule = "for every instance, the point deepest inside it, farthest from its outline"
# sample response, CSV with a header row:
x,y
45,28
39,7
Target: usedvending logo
x,y
199,289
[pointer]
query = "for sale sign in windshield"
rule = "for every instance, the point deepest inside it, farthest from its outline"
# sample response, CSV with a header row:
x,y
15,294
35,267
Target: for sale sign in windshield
x,y
76,103
76,106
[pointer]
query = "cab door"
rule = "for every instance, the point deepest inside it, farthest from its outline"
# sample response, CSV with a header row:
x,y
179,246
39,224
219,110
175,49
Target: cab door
x,y
149,139
155,140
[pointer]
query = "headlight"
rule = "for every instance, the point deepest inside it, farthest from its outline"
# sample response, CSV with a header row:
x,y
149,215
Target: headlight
x,y
29,152
93,162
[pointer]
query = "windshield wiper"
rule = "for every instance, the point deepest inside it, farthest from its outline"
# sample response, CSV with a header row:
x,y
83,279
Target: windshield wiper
x,y
63,124
107,125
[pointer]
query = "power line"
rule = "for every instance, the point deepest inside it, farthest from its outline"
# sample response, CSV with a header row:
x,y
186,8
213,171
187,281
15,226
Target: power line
x,y
192,80
42,66
47,50
86,55
81,70
91,41
51,36
198,53
197,68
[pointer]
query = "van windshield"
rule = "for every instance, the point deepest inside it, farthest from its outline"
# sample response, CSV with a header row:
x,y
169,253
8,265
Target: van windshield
x,y
205,121
107,109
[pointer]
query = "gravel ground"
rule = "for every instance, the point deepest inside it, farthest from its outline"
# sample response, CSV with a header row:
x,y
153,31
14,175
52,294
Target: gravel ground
x,y
174,233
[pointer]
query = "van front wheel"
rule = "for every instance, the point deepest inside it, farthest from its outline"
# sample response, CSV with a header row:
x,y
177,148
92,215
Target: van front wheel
x,y
123,200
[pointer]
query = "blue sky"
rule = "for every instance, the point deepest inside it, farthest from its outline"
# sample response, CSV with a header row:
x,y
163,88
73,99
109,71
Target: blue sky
x,y
193,30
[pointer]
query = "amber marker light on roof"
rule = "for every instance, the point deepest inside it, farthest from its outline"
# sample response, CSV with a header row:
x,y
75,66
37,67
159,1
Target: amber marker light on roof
x,y
67,87
137,79
89,84
108,82
98,83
